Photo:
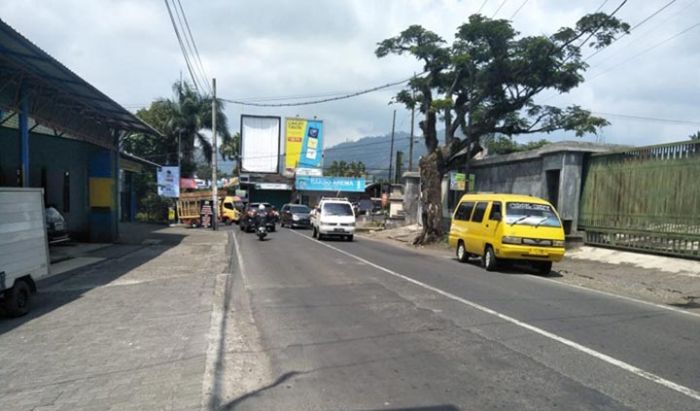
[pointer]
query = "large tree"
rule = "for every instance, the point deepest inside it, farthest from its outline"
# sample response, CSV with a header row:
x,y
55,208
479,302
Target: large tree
x,y
183,117
485,83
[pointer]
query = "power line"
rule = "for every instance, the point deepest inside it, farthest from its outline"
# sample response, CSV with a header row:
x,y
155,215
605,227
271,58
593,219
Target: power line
x,y
325,100
518,10
652,119
182,47
482,6
498,9
197,59
601,6
636,26
648,49
601,24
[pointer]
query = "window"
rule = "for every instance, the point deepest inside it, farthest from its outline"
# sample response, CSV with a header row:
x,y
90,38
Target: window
x,y
479,212
339,209
531,214
495,208
228,206
300,209
464,211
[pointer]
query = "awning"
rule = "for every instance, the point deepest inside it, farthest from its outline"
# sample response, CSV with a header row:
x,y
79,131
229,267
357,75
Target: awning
x,y
58,98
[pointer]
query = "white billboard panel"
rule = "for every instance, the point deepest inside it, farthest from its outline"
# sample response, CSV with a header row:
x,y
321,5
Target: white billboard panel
x,y
260,143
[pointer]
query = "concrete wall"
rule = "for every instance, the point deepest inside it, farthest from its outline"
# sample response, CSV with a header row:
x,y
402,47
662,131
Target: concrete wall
x,y
528,174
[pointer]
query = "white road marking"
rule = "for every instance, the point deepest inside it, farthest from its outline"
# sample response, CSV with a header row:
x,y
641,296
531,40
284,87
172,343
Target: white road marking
x,y
580,287
603,357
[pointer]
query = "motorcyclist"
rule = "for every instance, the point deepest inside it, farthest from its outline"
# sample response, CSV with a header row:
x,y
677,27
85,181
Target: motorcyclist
x,y
261,217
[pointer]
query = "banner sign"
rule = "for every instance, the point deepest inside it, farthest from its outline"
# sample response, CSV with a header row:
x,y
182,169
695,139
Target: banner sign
x,y
310,183
260,144
169,182
304,143
316,172
457,181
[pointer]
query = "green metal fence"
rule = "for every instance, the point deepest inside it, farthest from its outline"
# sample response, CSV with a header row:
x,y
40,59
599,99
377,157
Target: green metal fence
x,y
645,199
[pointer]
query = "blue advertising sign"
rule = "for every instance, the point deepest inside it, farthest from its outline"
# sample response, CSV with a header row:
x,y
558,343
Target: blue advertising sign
x,y
311,183
312,144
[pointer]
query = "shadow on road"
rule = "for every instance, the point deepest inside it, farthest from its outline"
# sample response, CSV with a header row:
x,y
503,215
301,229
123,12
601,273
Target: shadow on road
x,y
50,296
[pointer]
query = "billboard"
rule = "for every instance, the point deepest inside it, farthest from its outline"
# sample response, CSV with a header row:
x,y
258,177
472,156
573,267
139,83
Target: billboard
x,y
168,180
260,143
348,184
303,143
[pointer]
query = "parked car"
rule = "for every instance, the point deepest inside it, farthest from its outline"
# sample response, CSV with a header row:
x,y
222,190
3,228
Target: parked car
x,y
334,217
55,226
247,220
295,215
507,227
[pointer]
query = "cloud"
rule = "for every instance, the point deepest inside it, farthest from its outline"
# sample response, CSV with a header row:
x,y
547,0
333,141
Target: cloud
x,y
269,48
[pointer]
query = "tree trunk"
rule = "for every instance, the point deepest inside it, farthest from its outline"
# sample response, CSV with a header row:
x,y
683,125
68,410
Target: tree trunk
x,y
431,199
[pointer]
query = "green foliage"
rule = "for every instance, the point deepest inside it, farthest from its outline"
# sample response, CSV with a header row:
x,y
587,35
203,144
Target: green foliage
x,y
184,117
344,169
695,136
485,82
506,145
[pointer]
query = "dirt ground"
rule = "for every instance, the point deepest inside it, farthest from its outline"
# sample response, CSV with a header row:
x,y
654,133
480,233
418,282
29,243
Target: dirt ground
x,y
658,279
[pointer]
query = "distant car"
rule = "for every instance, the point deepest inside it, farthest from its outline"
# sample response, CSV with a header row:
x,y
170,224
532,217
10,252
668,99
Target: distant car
x,y
55,226
247,220
295,215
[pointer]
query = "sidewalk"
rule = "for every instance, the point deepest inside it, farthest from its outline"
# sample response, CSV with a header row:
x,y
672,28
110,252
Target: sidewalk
x,y
128,332
658,279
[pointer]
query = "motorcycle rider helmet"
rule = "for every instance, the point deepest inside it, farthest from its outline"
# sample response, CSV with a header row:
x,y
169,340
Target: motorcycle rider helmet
x,y
261,207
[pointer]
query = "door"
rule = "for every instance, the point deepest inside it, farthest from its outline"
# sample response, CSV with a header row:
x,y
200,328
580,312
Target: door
x,y
460,221
553,187
477,229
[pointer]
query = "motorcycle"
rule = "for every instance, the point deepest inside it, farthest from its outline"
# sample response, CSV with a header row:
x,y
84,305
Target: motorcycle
x,y
261,232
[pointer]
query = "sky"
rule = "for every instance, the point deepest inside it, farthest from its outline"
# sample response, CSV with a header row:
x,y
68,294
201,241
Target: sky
x,y
646,84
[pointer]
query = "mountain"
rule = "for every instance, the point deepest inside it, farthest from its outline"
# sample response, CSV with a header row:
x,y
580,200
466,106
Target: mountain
x,y
374,152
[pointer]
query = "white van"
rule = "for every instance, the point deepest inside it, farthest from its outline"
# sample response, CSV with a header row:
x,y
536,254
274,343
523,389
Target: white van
x,y
24,253
333,217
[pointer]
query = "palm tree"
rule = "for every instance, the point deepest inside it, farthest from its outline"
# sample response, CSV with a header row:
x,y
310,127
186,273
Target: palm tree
x,y
190,114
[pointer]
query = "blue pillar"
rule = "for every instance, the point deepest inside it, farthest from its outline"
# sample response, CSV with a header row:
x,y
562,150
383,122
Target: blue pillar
x,y
24,134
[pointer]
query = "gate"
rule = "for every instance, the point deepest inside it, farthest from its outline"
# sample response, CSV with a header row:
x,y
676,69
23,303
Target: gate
x,y
645,199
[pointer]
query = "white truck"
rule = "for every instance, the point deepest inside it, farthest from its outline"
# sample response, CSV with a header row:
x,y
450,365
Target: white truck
x,y
333,217
24,250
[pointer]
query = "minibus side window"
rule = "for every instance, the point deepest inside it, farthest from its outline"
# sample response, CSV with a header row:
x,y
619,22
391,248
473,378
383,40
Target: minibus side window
x,y
479,212
495,208
464,211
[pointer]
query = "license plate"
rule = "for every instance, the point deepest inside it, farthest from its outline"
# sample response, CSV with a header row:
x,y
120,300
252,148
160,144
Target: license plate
x,y
534,251
58,226
338,230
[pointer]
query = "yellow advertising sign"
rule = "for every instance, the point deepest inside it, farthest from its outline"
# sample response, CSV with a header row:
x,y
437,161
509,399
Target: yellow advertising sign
x,y
294,132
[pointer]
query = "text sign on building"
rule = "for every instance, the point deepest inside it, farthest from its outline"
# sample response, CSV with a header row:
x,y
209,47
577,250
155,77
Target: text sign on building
x,y
169,182
311,183
457,181
303,143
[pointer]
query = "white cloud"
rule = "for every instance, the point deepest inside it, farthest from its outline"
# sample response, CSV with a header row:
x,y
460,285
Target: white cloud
x,y
127,49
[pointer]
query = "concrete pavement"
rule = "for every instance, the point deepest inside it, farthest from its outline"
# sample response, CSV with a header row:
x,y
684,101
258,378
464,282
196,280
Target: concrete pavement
x,y
130,332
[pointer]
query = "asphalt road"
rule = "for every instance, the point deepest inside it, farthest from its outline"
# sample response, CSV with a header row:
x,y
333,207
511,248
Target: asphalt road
x,y
366,326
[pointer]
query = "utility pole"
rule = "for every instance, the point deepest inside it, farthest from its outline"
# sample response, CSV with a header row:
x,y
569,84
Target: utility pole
x,y
214,188
391,151
413,114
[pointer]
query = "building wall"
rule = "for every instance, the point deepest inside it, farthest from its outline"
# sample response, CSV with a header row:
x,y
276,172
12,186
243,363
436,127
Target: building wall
x,y
54,157
531,176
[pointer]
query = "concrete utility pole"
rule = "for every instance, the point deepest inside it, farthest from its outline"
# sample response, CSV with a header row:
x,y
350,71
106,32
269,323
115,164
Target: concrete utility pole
x,y
391,151
413,114
214,188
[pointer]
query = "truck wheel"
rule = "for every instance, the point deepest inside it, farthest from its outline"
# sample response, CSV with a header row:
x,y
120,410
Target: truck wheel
x,y
489,260
462,254
18,299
